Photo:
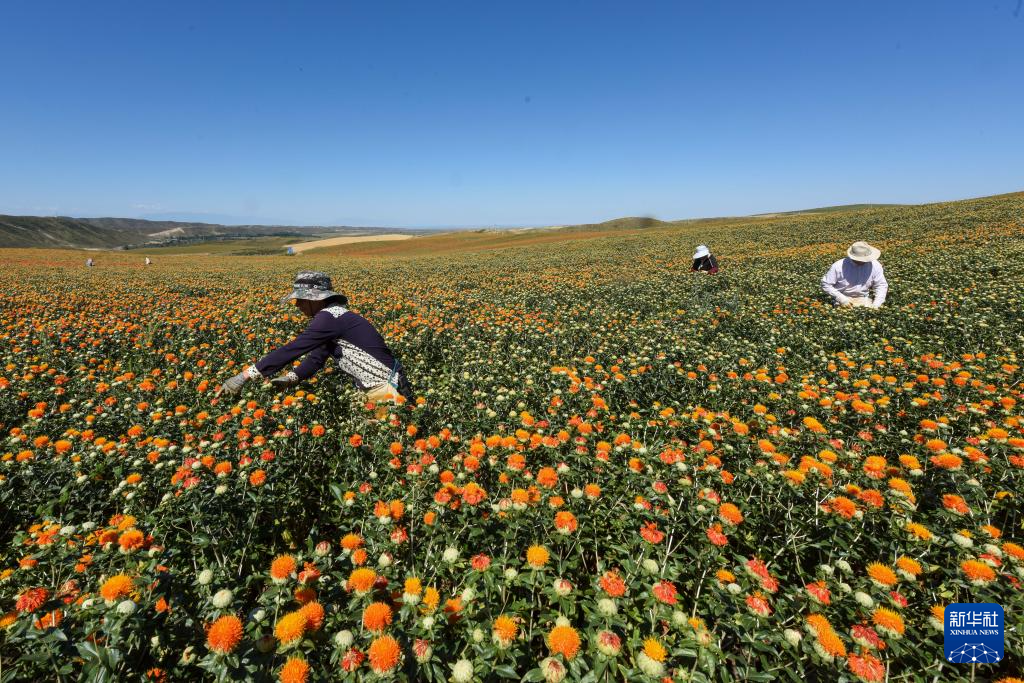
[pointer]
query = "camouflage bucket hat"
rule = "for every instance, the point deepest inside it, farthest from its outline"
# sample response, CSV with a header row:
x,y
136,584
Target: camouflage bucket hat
x,y
312,286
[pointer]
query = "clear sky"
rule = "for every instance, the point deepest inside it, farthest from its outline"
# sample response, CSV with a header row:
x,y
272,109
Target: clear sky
x,y
503,113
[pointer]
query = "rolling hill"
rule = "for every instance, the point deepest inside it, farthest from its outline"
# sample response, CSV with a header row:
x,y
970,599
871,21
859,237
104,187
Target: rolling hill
x,y
121,233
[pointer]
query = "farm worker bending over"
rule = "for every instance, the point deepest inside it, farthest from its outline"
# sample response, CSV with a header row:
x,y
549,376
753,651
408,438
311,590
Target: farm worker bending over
x,y
850,280
334,331
704,261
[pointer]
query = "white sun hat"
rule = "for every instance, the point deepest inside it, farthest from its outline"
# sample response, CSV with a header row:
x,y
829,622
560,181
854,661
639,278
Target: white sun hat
x,y
702,251
863,252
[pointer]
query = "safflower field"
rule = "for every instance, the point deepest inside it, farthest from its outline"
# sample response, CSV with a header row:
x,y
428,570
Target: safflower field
x,y
611,470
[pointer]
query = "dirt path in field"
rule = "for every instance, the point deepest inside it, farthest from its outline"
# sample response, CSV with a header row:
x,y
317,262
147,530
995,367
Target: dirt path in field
x,y
336,241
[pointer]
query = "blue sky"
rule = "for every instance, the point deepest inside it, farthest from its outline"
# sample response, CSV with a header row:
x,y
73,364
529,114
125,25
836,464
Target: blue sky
x,y
490,113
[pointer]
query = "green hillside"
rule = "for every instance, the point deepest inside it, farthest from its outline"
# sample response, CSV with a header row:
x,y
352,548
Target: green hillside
x,y
120,233
57,231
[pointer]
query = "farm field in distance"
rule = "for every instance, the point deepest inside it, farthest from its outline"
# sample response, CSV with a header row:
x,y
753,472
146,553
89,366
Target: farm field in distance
x,y
612,469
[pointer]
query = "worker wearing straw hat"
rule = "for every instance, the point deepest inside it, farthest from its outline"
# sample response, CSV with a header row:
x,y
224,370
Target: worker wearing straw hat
x,y
851,281
334,332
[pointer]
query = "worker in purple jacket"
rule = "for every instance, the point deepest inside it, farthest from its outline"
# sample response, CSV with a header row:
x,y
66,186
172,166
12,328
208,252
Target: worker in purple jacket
x,y
334,332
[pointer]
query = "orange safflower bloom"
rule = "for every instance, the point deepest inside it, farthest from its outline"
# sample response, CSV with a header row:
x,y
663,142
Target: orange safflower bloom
x,y
910,462
813,425
566,521
314,613
977,571
651,534
831,643
384,654
729,513
888,622
291,627
116,587
361,580
376,617
537,556
49,620
872,498
919,530
955,503
794,477
282,567
655,650
874,466
947,461
1013,550
351,541
665,591
882,575
819,624
612,584
295,670
900,485
413,586
819,591
866,667
564,640
992,531
547,477
132,539
31,599
909,565
431,599
757,604
505,629
842,506
224,634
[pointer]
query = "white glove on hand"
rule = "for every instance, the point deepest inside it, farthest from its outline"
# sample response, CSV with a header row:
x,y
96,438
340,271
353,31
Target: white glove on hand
x,y
234,385
285,381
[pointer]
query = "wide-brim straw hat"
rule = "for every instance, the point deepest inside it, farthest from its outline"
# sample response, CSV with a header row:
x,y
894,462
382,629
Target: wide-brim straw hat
x,y
311,285
862,252
702,251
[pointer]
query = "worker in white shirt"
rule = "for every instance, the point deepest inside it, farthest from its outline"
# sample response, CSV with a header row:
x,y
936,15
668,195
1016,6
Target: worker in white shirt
x,y
851,280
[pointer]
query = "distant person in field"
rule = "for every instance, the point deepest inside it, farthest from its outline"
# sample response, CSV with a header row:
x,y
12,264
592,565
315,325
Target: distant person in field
x,y
334,332
851,281
704,261
88,263
148,261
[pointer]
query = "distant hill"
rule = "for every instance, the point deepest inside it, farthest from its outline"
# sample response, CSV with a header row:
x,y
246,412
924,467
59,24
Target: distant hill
x,y
842,208
126,233
122,233
627,223
57,231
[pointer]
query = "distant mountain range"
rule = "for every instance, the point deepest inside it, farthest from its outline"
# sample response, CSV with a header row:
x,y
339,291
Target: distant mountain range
x,y
121,233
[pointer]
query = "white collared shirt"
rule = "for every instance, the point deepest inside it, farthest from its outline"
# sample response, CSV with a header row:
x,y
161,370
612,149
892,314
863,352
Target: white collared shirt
x,y
848,279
